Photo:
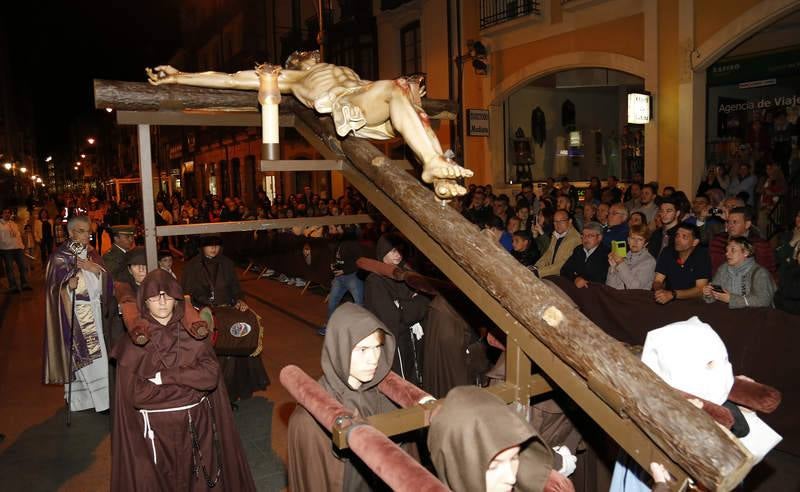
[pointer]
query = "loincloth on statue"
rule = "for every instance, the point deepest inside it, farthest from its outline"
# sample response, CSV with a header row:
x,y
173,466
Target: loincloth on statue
x,y
349,117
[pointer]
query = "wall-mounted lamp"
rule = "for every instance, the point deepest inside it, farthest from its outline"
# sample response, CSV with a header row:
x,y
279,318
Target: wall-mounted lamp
x,y
639,107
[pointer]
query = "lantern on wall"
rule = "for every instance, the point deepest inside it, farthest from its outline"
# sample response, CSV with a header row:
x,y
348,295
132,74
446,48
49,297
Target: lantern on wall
x,y
638,108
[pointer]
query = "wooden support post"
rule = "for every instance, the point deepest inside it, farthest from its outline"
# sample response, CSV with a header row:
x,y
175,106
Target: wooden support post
x,y
493,279
148,201
518,372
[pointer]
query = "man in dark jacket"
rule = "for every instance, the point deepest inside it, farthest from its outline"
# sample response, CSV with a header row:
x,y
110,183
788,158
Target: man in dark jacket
x,y
123,240
589,261
400,308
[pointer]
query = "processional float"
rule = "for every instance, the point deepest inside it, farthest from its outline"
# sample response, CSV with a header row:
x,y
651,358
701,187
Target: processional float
x,y
646,417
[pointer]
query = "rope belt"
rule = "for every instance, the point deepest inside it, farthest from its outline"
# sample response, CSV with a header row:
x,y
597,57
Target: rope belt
x,y
149,433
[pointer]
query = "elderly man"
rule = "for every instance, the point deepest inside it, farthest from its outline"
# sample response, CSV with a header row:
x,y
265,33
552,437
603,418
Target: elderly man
x,y
589,260
565,239
11,248
617,228
123,240
78,291
369,109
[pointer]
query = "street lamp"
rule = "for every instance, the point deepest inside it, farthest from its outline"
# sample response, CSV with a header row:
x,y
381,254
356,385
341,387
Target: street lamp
x,y
23,170
7,166
49,158
38,180
90,140
83,156
109,110
78,163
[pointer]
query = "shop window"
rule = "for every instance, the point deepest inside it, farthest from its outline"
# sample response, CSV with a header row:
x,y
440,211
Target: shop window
x,y
410,49
572,123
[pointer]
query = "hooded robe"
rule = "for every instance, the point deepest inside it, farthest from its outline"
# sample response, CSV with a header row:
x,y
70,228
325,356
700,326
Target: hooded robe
x,y
314,463
399,308
213,282
471,428
190,377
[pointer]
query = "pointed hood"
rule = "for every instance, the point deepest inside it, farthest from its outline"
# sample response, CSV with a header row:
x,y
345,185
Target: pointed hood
x,y
350,324
155,282
471,428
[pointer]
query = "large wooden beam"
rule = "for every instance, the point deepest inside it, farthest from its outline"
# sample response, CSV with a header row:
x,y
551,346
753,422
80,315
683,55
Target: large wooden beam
x,y
142,96
683,432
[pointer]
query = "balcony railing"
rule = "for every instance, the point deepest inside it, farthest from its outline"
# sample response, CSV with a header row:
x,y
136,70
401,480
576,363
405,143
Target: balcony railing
x,y
495,12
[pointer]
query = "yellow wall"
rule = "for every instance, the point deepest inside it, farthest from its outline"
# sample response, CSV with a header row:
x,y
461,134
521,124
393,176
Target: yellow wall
x,y
623,36
667,99
713,15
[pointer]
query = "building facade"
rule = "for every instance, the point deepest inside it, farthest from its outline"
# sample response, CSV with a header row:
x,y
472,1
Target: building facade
x,y
554,75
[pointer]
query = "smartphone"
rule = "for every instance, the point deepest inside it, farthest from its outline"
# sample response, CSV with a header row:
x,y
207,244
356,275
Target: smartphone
x,y
619,248
717,288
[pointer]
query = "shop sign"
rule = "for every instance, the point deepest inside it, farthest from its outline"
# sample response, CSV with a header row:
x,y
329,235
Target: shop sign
x,y
638,108
756,68
478,122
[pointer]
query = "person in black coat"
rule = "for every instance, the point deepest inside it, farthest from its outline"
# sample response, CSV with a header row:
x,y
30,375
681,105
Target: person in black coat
x,y
524,249
589,261
210,280
400,308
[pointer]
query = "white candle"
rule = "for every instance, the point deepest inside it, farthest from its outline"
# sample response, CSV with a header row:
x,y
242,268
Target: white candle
x,y
269,96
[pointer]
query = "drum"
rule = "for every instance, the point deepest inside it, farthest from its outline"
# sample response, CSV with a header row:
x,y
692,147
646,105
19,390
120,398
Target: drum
x,y
237,333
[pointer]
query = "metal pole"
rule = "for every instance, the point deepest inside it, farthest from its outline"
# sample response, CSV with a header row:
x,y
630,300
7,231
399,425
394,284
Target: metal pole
x,y
148,203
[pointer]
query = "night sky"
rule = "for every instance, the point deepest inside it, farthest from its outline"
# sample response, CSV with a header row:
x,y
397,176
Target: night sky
x,y
58,46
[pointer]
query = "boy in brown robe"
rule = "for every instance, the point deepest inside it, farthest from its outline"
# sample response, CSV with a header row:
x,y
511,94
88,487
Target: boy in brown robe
x,y
173,428
352,332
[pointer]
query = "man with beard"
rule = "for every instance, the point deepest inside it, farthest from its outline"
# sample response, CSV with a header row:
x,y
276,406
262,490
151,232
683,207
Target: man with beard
x,y
210,280
684,269
76,303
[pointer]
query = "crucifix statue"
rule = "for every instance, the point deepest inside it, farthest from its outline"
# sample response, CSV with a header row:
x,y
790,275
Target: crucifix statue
x,y
370,109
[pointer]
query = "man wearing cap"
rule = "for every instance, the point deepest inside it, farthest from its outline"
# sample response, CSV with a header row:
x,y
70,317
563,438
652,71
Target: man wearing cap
x,y
123,241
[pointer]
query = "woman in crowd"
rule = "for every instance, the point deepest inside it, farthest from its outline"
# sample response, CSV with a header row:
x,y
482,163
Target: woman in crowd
x,y
478,443
210,279
787,243
542,230
637,269
356,356
637,219
173,429
740,282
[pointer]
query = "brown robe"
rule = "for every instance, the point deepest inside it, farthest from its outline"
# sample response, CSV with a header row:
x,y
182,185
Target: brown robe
x,y
190,375
314,465
471,428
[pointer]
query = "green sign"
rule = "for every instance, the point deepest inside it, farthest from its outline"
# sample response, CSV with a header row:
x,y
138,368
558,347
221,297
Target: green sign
x,y
756,68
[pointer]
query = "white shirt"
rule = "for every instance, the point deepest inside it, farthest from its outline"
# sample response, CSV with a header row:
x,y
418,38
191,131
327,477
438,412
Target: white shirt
x,y
10,238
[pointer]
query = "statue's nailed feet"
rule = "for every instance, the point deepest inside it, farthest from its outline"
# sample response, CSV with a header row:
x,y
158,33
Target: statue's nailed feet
x,y
162,74
444,174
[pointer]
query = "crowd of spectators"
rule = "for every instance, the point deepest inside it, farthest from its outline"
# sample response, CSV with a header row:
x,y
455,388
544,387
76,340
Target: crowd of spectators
x,y
713,246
